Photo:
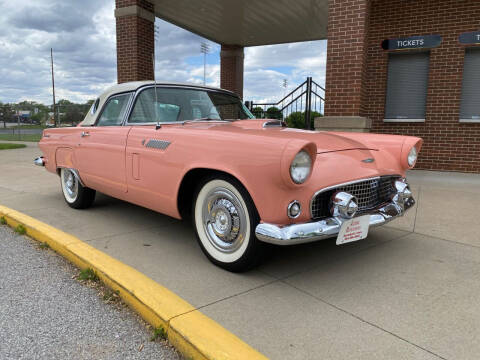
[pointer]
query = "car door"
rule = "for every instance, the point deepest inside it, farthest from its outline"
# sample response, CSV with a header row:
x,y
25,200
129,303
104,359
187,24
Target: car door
x,y
100,152
152,172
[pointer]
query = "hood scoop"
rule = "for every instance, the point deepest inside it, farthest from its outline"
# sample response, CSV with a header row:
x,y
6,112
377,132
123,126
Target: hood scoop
x,y
274,123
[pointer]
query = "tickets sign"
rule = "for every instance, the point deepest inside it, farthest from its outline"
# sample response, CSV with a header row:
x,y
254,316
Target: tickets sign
x,y
413,42
469,38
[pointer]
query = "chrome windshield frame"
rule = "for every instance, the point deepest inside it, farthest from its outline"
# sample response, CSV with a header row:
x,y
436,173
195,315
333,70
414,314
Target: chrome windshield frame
x,y
169,86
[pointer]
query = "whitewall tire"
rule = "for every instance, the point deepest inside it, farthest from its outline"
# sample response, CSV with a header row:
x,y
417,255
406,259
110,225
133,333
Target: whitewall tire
x,y
225,219
75,194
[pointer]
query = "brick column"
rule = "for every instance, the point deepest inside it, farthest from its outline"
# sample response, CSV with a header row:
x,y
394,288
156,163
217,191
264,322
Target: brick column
x,y
135,40
231,68
345,85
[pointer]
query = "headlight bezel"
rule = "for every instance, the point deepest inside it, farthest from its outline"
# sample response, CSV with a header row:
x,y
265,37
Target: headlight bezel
x,y
412,157
301,159
408,143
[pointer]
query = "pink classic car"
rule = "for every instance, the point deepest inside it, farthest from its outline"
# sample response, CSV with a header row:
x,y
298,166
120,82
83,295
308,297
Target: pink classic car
x,y
196,152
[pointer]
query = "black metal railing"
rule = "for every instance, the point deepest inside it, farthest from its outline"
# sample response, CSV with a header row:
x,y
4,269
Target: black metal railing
x,y
298,108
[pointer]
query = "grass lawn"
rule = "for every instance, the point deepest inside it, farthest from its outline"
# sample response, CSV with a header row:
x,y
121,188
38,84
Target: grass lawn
x,y
6,146
21,137
29,126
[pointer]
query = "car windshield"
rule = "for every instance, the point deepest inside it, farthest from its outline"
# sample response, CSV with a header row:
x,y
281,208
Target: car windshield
x,y
165,104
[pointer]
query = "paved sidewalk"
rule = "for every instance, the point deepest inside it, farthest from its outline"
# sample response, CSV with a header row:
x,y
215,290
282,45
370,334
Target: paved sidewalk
x,y
45,314
409,291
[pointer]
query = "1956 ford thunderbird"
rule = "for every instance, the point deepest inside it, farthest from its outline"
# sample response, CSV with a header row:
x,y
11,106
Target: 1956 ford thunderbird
x,y
196,152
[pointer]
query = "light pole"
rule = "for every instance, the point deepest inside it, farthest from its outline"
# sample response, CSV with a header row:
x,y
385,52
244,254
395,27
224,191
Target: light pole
x,y
53,88
204,49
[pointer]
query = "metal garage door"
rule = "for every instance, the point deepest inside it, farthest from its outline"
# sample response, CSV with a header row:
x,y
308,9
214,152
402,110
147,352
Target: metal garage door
x,y
470,107
407,86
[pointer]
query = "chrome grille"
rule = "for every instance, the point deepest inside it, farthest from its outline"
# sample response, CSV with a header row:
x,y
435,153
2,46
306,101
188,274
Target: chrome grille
x,y
370,194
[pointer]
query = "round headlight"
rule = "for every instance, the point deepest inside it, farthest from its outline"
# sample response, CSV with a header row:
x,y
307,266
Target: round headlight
x,y
412,157
300,167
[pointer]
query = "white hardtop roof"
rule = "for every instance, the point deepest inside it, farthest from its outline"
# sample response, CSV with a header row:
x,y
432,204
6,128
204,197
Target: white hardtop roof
x,y
134,85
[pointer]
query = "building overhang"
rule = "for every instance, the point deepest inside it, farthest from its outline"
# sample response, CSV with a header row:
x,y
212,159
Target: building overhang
x,y
248,22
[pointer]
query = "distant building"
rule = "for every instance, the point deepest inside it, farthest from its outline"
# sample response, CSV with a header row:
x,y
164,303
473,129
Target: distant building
x,y
23,114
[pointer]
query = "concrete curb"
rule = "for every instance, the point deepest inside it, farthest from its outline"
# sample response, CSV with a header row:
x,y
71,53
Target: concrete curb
x,y
193,334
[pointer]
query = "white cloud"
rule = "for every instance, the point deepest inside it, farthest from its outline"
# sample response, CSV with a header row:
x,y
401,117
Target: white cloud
x,y
82,35
266,67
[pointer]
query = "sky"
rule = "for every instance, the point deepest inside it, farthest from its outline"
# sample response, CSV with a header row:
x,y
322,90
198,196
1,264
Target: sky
x,y
82,35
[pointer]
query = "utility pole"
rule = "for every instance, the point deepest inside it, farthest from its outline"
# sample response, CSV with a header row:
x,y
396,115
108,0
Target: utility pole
x,y
3,114
204,49
53,88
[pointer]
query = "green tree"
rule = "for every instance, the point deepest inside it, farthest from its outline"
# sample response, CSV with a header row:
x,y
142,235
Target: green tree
x,y
38,118
72,113
297,119
274,113
257,112
6,113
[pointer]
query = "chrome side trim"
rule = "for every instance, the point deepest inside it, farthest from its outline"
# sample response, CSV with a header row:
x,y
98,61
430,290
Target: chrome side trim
x,y
327,228
344,184
157,144
183,122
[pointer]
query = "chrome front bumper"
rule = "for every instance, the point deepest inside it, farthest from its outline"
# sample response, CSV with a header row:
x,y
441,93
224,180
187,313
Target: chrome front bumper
x,y
330,227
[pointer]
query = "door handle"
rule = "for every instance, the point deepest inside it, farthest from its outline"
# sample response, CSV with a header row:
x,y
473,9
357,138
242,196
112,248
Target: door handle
x,y
85,133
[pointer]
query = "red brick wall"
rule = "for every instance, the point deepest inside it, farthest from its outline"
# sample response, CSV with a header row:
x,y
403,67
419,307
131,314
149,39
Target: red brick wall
x,y
346,49
448,144
231,68
135,44
142,3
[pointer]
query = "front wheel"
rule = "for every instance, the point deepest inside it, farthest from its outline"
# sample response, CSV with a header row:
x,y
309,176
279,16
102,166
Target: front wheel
x,y
225,219
76,195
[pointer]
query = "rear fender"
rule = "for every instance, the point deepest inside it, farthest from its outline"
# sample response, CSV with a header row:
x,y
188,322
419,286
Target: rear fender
x,y
64,158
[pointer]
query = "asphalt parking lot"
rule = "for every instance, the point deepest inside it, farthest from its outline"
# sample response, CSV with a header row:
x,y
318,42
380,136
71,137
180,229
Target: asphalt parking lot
x,y
46,314
409,291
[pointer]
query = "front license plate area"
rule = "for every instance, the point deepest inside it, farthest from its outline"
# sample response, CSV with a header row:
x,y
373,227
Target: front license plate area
x,y
354,229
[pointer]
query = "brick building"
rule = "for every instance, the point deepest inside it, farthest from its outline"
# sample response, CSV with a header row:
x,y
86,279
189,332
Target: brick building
x,y
393,66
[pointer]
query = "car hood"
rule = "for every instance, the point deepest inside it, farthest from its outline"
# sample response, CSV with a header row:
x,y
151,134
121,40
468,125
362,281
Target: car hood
x,y
325,141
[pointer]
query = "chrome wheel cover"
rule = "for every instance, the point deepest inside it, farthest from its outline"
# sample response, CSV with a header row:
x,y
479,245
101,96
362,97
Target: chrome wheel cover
x,y
224,220
70,185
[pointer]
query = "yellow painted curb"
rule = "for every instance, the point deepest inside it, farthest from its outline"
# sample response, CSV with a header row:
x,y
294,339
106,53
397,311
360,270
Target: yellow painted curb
x,y
195,335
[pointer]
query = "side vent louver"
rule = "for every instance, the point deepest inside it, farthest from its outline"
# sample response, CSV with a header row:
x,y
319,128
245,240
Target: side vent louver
x,y
157,144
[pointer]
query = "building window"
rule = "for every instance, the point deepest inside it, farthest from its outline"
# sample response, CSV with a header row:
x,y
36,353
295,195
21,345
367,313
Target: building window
x,y
407,87
470,105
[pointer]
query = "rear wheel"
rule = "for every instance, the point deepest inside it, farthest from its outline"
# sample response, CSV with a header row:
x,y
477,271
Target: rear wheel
x,y
225,218
76,195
